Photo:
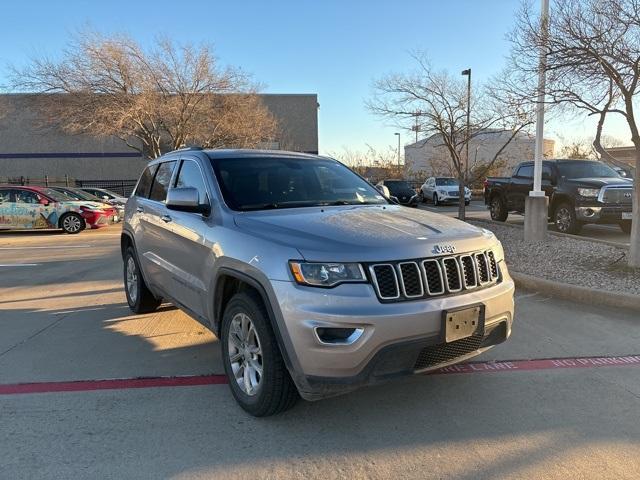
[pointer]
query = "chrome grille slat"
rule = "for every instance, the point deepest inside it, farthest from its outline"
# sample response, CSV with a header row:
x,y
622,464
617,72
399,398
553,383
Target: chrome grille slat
x,y
413,279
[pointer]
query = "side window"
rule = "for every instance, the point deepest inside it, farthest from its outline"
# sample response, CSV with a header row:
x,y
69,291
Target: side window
x,y
5,195
190,175
546,171
161,182
525,171
144,184
26,196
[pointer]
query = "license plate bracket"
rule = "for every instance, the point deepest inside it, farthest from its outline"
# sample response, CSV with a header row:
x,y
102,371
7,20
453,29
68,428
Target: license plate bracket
x,y
463,322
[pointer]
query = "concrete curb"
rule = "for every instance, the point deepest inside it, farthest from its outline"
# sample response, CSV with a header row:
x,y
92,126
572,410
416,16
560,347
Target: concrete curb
x,y
576,293
554,233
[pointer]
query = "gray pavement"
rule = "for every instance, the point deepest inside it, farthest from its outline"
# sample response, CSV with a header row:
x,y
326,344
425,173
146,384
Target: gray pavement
x,y
65,318
477,209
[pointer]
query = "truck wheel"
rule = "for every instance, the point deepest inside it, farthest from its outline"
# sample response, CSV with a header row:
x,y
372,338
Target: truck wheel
x,y
564,217
72,223
139,297
257,375
625,226
436,202
498,209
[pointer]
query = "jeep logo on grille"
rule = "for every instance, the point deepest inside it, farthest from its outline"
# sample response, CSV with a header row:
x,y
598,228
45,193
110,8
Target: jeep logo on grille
x,y
437,249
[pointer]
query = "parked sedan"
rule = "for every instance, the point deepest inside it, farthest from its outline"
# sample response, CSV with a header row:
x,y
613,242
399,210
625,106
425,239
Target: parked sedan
x,y
40,207
80,195
106,195
401,191
442,190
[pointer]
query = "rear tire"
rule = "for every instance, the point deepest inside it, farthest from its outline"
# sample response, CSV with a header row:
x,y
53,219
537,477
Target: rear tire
x,y
625,226
72,223
564,218
498,209
258,377
139,297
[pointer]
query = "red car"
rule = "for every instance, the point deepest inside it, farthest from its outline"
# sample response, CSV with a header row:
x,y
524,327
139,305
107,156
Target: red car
x,y
41,207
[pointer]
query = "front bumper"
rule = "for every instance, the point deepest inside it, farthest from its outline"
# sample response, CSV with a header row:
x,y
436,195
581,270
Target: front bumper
x,y
452,198
394,336
602,214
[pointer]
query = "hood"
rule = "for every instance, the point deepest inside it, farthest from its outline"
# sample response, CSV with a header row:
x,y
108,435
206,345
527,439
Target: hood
x,y
363,233
601,182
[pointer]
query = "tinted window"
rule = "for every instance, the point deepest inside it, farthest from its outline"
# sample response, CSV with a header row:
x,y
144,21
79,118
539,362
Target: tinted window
x,y
5,195
190,176
446,182
586,169
526,171
26,196
144,184
161,182
256,183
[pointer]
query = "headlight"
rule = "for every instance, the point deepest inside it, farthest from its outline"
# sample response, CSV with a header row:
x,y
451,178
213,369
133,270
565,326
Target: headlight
x,y
589,192
326,274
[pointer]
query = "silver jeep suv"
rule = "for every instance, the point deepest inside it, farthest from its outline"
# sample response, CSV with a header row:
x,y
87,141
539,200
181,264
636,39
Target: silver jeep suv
x,y
314,282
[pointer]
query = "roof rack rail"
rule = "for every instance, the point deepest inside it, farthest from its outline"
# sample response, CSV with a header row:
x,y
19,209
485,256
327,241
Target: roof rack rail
x,y
190,147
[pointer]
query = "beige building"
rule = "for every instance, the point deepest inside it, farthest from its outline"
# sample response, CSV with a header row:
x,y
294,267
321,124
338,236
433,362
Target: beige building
x,y
430,157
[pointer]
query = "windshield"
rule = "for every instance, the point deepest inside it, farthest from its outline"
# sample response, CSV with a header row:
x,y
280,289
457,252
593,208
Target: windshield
x,y
56,195
446,182
80,195
397,185
260,183
589,169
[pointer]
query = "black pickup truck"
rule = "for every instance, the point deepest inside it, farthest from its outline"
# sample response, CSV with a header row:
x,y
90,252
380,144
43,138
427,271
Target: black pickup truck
x,y
579,191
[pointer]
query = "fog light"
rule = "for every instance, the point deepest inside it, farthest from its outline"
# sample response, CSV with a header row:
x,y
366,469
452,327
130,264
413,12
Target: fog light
x,y
589,212
338,336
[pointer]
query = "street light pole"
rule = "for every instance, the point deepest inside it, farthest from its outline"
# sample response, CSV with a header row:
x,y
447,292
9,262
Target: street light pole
x,y
461,209
398,151
537,204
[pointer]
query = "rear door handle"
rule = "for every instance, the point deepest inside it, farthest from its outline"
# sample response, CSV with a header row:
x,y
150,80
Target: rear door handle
x,y
166,218
139,209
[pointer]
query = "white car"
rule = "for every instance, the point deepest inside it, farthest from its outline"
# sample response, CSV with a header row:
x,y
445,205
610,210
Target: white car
x,y
442,190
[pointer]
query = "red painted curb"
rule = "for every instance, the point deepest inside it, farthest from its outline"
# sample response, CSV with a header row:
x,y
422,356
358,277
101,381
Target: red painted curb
x,y
196,380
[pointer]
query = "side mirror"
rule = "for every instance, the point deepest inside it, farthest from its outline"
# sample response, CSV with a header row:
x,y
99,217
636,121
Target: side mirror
x,y
384,190
105,197
185,200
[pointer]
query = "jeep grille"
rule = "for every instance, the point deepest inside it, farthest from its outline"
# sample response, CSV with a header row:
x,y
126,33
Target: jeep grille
x,y
415,279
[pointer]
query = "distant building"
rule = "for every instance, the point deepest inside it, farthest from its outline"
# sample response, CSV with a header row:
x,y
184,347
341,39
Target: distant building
x,y
430,157
626,155
27,150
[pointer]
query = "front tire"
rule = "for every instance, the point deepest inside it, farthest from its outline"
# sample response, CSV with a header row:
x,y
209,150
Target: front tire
x,y
139,297
436,201
498,209
564,218
258,377
72,223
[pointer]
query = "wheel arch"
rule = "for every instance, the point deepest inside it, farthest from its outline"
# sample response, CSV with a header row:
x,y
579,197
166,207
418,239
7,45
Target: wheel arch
x,y
558,199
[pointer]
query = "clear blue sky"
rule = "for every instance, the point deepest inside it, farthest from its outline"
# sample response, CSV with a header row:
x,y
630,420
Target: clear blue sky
x,y
329,47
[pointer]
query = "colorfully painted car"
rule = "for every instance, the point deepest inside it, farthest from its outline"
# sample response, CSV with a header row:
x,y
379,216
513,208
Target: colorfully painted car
x,y
81,195
40,207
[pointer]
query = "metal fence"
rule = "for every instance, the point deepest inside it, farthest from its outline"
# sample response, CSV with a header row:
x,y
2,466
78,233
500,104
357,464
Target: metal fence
x,y
121,187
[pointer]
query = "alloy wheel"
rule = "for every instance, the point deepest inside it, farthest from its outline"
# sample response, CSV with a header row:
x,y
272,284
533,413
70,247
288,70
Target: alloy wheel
x,y
132,280
563,219
245,354
71,223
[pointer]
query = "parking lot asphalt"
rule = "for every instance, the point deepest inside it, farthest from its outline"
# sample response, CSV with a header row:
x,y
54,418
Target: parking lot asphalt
x,y
477,209
63,317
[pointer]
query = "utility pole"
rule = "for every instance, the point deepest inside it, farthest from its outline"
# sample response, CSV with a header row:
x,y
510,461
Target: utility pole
x,y
399,171
461,199
537,204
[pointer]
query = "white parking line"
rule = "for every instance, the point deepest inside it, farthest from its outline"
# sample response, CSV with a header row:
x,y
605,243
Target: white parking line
x,y
47,247
18,264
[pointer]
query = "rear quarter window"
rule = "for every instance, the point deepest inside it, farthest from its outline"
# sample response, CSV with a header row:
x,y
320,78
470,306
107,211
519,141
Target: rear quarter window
x,y
161,182
144,184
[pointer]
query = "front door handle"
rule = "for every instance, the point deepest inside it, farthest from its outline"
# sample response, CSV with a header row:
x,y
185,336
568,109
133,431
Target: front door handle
x,y
139,209
166,218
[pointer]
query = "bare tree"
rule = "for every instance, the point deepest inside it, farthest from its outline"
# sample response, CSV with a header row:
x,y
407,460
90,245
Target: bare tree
x,y
371,163
593,65
441,101
154,100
